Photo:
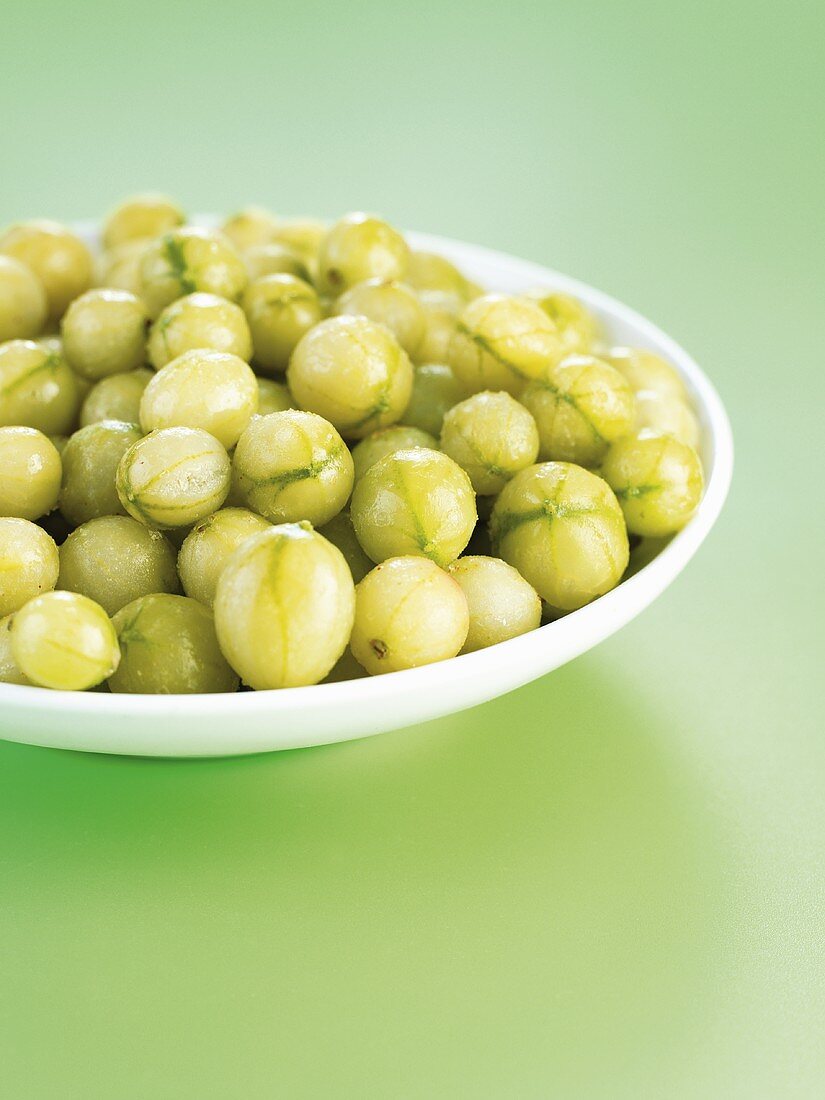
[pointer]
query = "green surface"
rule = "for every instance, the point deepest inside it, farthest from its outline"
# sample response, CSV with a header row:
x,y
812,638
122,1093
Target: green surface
x,y
610,883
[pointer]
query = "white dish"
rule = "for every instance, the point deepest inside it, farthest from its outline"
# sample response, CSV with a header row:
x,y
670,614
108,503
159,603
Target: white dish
x,y
217,725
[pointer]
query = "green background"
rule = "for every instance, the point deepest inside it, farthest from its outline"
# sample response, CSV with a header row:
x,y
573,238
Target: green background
x,y
608,884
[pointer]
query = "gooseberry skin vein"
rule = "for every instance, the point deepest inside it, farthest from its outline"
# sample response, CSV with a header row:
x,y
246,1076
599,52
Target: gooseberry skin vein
x,y
48,364
173,250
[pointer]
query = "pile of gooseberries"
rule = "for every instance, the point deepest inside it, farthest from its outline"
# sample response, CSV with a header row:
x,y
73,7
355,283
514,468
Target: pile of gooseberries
x,y
283,452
